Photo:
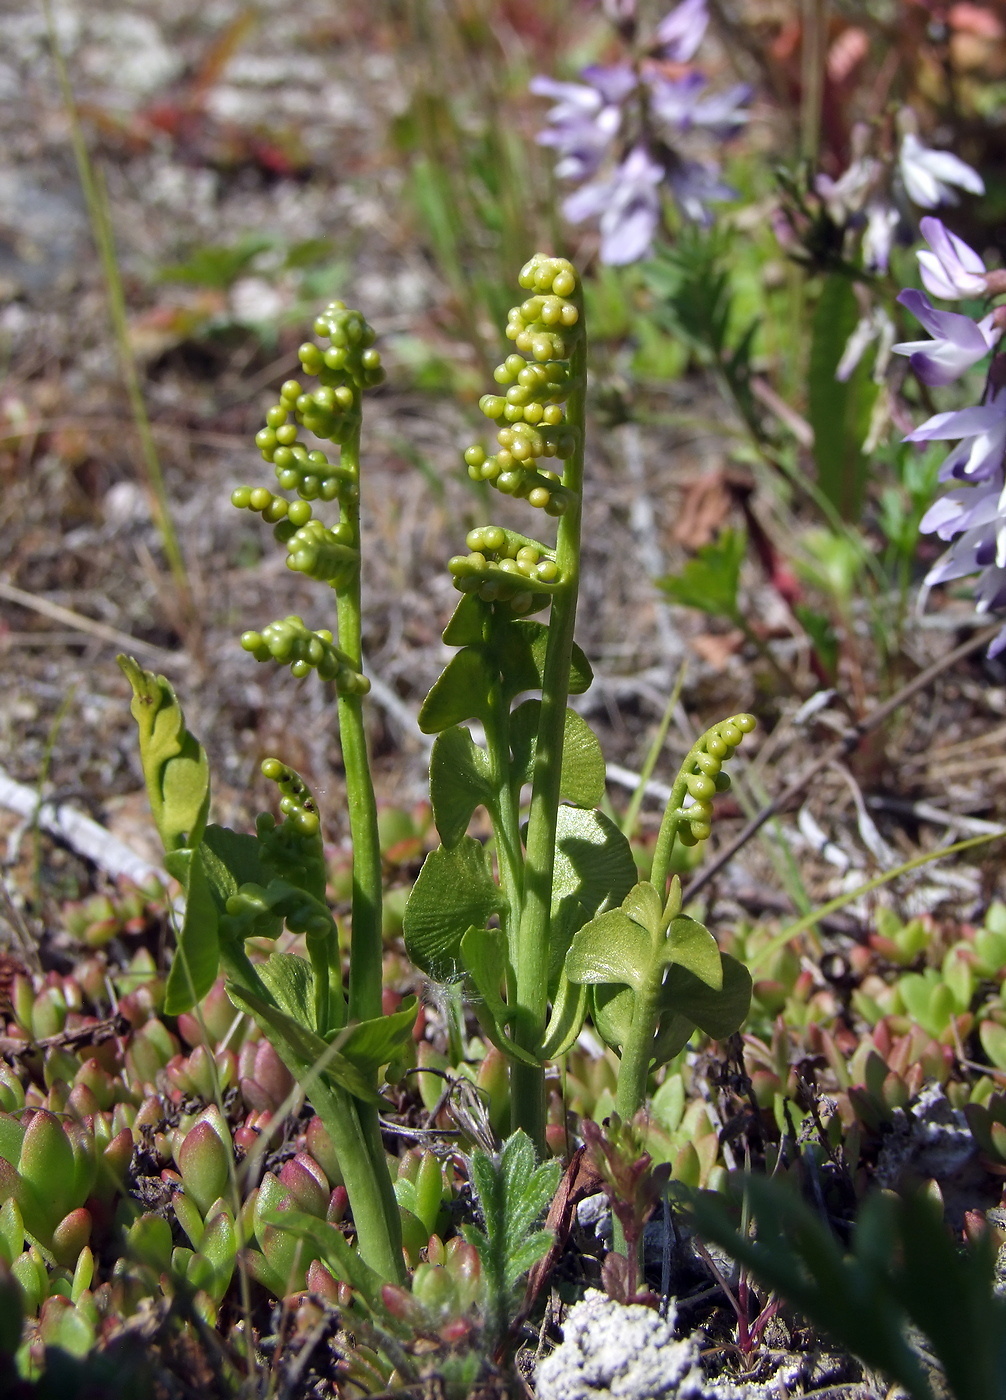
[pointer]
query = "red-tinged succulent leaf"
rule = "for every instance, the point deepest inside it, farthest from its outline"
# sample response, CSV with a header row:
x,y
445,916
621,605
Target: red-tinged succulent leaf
x,y
204,1160
305,1181
70,1236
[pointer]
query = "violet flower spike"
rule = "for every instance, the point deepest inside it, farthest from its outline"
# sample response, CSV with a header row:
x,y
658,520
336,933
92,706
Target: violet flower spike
x,y
957,344
952,270
680,33
932,177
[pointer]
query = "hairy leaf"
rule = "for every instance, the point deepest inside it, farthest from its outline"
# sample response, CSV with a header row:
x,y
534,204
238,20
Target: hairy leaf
x,y
454,892
512,1194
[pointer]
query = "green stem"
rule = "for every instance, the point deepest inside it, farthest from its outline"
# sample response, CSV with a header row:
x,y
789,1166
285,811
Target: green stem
x,y
504,815
634,1068
380,1224
366,948
527,1083
660,868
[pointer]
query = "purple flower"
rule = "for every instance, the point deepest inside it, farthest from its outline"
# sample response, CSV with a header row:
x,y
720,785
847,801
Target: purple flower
x,y
976,514
694,185
680,33
680,105
952,270
981,431
582,125
957,344
628,203
930,176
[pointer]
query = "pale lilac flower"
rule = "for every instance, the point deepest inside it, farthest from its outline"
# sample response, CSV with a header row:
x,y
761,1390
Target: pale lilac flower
x,y
680,33
847,195
931,177
582,125
952,270
694,185
981,434
628,203
975,514
957,344
679,104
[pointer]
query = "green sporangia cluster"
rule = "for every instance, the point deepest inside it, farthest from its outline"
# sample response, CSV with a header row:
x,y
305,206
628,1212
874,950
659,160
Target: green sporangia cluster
x,y
292,643
505,567
708,779
332,412
534,384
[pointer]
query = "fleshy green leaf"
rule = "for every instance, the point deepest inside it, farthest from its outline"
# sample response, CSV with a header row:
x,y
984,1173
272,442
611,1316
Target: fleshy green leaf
x,y
569,1008
459,782
196,961
454,892
305,1054
461,692
594,866
484,956
583,771
223,861
175,767
519,652
467,627
610,948
718,1012
643,904
690,945
370,1044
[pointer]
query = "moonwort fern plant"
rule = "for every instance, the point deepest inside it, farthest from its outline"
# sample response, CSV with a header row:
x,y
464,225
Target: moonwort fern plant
x,y
547,924
532,942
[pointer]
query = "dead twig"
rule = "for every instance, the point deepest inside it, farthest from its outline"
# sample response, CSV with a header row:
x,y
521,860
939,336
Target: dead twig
x,y
840,749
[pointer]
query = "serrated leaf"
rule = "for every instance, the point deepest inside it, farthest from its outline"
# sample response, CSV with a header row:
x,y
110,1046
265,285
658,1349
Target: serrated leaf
x,y
718,1012
483,953
175,767
461,692
594,865
610,948
459,782
690,945
454,892
304,1053
467,626
582,779
519,651
512,1193
196,961
710,580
